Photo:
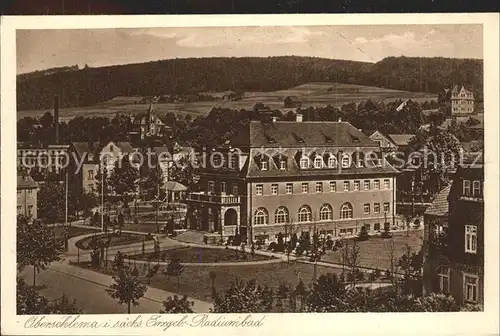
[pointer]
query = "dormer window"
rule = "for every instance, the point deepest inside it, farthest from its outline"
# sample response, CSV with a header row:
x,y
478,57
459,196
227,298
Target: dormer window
x,y
332,162
304,163
318,162
264,165
282,164
346,161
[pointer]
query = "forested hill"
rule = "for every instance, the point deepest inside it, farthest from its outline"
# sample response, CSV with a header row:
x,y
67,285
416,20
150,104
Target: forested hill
x,y
192,75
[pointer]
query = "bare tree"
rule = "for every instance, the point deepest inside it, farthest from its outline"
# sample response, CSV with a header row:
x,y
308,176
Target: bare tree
x,y
391,251
353,260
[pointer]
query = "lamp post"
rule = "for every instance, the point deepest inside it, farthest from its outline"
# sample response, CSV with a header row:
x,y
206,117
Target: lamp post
x,y
102,197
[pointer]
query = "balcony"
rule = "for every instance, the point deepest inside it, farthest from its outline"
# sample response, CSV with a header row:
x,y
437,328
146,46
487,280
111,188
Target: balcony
x,y
213,199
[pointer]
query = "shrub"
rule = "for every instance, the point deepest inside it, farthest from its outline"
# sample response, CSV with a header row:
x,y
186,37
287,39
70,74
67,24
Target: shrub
x,y
205,240
388,274
371,276
272,246
136,221
376,273
360,276
363,233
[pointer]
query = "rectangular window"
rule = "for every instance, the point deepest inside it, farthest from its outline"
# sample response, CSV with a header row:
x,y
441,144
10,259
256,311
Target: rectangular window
x,y
30,210
476,188
19,192
343,232
366,185
233,162
333,186
91,174
471,238
264,165
366,208
223,187
376,208
386,207
376,184
305,188
30,191
274,189
368,227
283,165
289,188
258,189
466,188
387,184
356,185
211,186
319,187
470,288
346,185
444,279
235,189
376,227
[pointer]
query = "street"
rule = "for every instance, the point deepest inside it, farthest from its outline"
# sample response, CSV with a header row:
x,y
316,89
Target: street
x,y
88,288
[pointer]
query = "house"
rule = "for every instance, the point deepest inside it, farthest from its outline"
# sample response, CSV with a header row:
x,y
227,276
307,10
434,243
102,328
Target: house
x,y
453,247
87,154
149,127
292,102
39,160
278,176
112,152
462,102
402,141
27,190
384,141
174,191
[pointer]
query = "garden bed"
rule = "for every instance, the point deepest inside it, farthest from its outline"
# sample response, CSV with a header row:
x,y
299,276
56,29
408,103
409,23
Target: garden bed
x,y
89,243
202,255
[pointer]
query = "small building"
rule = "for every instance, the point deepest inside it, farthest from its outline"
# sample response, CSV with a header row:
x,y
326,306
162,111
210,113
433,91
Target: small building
x,y
27,190
384,141
86,153
402,141
462,102
149,126
292,102
175,192
112,152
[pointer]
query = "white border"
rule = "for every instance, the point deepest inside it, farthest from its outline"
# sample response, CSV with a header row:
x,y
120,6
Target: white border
x,y
300,324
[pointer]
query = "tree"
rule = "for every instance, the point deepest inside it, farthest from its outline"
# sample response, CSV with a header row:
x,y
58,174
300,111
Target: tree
x,y
51,202
123,177
118,261
243,296
301,291
350,253
36,246
363,233
184,172
127,289
177,306
411,264
175,268
154,180
212,276
391,250
325,292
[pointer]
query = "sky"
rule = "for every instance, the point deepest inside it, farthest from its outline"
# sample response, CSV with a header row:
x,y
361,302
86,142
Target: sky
x,y
43,49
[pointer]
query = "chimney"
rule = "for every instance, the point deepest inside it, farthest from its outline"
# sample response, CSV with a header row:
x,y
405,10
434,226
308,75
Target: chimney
x,y
56,118
298,117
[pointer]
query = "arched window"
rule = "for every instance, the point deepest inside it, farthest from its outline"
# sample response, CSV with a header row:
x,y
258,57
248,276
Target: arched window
x,y
305,214
318,162
332,162
304,162
325,212
261,217
346,211
443,274
281,215
346,161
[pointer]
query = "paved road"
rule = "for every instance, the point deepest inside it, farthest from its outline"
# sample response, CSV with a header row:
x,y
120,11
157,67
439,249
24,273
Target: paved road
x,y
88,288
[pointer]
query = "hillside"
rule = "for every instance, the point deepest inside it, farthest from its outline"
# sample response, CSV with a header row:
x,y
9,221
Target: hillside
x,y
89,86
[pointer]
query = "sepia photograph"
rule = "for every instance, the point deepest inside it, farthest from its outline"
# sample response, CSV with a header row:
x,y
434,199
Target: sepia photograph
x,y
248,170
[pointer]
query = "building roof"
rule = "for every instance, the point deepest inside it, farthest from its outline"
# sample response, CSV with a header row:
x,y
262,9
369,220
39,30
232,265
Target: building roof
x,y
430,111
439,206
175,186
293,98
292,134
26,182
401,139
368,132
160,150
125,147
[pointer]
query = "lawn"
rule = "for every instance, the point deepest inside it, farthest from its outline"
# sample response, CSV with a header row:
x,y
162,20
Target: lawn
x,y
195,281
115,239
202,255
374,253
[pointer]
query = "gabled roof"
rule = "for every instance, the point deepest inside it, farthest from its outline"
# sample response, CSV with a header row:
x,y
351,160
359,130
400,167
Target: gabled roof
x,y
125,147
401,139
297,134
175,186
293,98
85,147
440,205
26,182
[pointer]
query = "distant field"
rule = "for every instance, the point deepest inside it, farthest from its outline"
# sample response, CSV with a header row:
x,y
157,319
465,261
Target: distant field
x,y
311,94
